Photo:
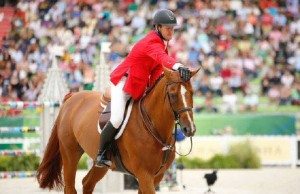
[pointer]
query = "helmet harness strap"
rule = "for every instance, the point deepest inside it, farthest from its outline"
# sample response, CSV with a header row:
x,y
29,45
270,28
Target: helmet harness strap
x,y
159,33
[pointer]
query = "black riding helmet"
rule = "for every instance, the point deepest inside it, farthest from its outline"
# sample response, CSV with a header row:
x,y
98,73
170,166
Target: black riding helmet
x,y
164,17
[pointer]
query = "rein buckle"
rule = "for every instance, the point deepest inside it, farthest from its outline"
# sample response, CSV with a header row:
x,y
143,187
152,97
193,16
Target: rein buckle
x,y
167,147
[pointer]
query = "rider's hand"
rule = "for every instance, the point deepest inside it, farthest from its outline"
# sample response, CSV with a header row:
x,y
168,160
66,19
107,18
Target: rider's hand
x,y
185,73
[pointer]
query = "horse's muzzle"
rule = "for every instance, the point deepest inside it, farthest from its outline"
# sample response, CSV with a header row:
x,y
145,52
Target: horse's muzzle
x,y
189,131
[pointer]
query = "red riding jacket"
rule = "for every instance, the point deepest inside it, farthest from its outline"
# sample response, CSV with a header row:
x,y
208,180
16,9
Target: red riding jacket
x,y
144,65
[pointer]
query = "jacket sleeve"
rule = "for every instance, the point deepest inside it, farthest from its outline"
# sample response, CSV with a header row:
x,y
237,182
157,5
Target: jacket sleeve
x,y
156,51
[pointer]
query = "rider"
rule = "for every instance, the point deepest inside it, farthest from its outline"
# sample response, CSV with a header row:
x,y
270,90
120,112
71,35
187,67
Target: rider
x,y
141,68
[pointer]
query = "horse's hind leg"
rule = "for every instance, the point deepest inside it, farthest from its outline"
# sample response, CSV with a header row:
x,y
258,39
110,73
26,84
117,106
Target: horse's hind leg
x,y
90,180
70,156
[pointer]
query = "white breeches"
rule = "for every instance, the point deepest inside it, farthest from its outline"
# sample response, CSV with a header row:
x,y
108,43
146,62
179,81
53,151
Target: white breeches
x,y
118,102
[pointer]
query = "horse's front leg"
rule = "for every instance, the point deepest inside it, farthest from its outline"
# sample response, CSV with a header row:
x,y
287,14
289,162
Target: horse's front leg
x,y
157,179
146,184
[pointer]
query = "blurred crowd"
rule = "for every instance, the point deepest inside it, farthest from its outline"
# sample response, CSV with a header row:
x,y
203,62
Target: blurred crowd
x,y
246,49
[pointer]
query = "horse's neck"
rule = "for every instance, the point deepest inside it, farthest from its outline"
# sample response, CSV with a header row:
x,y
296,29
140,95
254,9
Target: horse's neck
x,y
159,110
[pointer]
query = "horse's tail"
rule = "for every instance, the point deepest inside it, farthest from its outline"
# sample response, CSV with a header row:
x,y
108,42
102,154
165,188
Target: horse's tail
x,y
49,171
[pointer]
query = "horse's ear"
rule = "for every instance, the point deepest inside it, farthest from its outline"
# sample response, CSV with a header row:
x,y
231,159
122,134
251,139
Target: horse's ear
x,y
167,72
193,72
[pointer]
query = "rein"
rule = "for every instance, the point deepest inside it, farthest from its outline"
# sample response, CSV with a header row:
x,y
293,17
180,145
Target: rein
x,y
150,127
166,148
191,142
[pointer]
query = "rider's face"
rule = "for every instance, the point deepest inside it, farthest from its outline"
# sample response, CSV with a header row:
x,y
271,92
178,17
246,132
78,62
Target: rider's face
x,y
167,31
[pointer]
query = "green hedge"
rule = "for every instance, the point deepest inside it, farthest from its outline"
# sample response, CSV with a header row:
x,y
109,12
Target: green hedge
x,y
241,155
245,155
82,164
29,162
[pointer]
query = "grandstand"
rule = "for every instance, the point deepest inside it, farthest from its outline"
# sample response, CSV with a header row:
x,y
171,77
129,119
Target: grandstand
x,y
6,16
254,63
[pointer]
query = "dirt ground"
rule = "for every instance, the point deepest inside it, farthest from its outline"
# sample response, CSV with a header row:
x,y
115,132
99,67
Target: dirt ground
x,y
262,181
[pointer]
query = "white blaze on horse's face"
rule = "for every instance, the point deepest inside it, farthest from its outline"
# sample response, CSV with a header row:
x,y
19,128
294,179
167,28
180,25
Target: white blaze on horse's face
x,y
183,96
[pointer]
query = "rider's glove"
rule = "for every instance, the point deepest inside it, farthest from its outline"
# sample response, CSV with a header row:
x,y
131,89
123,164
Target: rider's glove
x,y
185,73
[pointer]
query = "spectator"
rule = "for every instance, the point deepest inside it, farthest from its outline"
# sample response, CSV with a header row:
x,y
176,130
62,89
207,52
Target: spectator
x,y
295,94
236,43
274,93
287,79
229,101
208,104
250,101
285,95
216,82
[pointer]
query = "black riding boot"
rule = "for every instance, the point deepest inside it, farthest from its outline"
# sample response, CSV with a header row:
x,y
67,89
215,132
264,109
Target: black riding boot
x,y
106,137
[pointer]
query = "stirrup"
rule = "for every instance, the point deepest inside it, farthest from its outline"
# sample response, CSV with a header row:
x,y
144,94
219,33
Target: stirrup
x,y
101,161
102,164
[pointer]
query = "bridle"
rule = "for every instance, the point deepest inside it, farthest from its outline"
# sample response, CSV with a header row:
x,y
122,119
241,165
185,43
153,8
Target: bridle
x,y
180,110
166,148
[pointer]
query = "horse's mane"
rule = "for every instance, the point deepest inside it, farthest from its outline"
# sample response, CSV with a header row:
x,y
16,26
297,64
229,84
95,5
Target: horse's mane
x,y
149,89
67,96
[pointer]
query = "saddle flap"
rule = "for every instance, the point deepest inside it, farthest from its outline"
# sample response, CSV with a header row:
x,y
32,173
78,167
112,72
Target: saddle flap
x,y
105,116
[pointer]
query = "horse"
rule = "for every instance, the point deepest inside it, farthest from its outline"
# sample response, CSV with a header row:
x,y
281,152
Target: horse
x,y
147,145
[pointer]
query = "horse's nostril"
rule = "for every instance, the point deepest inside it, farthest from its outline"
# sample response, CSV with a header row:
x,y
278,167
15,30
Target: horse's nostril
x,y
185,130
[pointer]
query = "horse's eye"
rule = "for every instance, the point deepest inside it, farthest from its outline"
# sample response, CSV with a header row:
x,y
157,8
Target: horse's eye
x,y
173,97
